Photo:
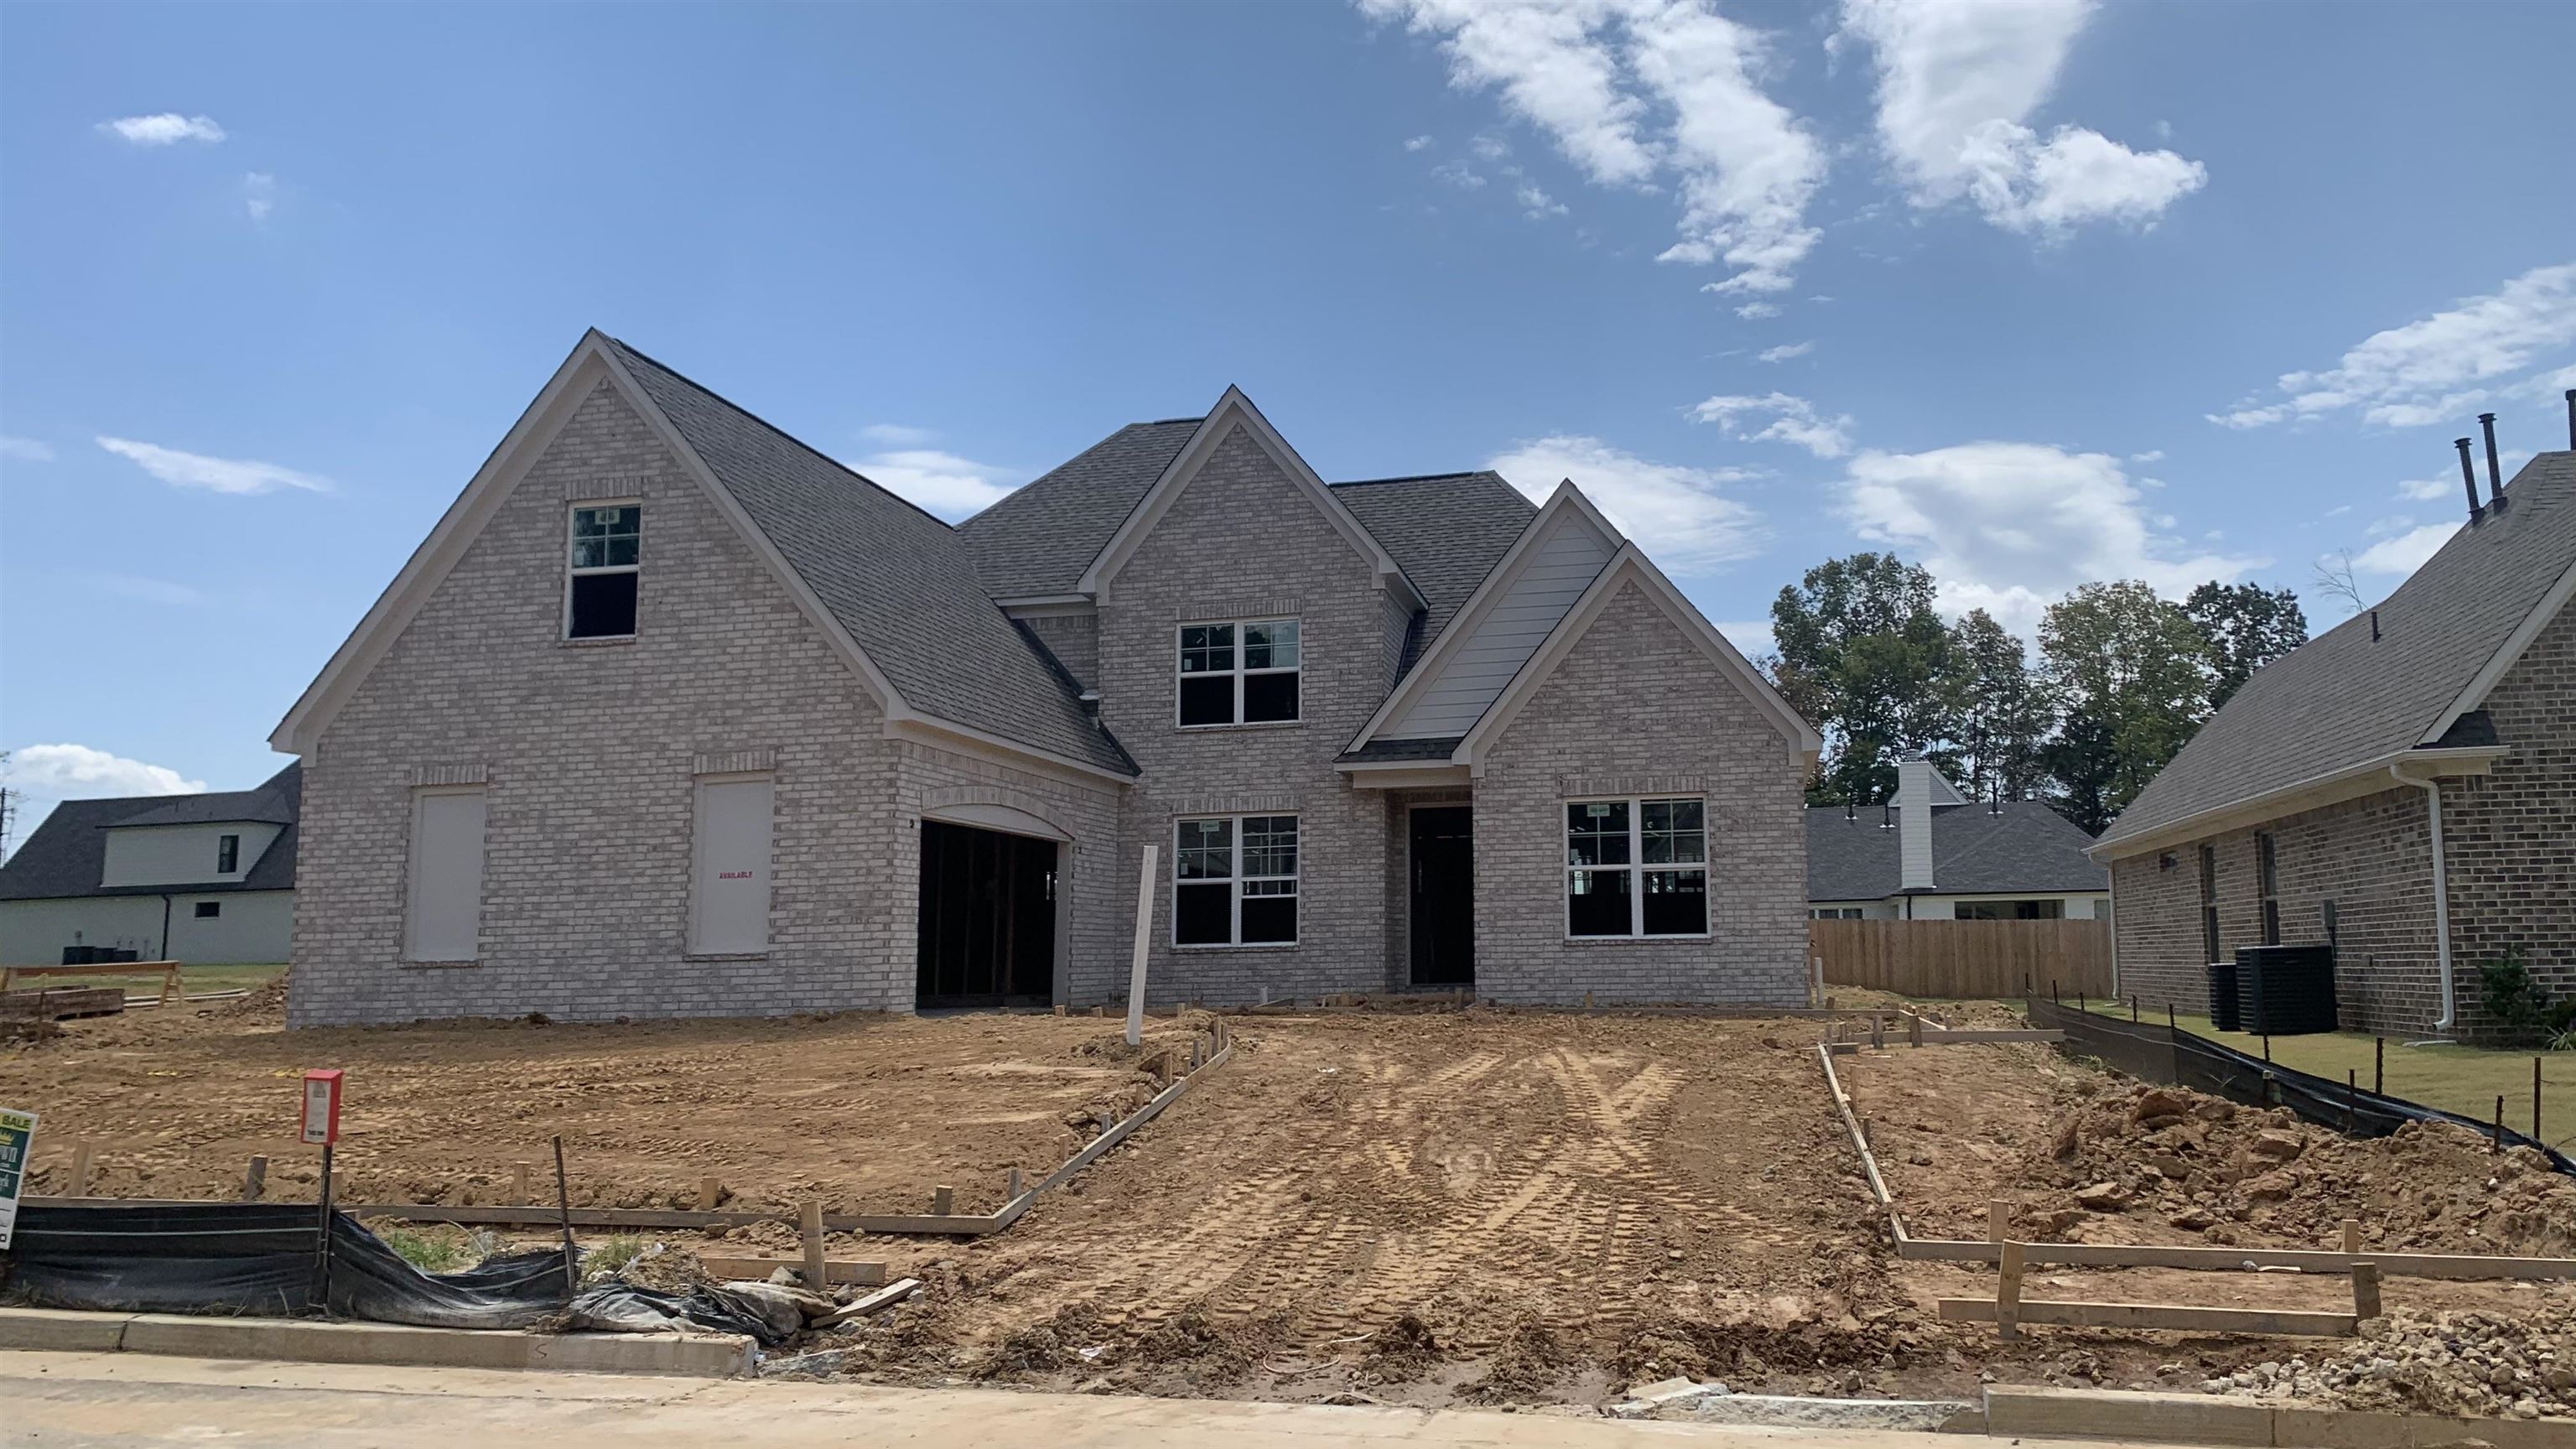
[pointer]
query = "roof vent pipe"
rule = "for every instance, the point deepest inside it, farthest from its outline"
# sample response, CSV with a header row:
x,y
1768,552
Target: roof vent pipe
x,y
2495,475
2571,417
2469,479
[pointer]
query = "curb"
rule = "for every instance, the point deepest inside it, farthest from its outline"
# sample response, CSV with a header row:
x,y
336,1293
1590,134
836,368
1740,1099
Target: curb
x,y
2213,1419
307,1341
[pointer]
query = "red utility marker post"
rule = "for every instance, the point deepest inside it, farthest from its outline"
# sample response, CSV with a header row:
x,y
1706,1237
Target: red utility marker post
x,y
322,1126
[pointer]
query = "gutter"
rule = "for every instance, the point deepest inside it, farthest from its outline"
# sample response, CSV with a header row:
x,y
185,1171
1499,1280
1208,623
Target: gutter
x,y
2441,893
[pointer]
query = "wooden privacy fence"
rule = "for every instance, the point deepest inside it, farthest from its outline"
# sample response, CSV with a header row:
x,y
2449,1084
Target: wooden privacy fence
x,y
1965,958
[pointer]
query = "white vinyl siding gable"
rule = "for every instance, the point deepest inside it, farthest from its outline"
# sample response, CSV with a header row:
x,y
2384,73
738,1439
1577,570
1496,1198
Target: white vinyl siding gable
x,y
1556,571
150,855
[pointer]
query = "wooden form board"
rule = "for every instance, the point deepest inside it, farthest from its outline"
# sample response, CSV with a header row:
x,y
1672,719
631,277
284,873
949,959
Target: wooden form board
x,y
2178,1317
2461,1267
1860,1140
1965,958
171,989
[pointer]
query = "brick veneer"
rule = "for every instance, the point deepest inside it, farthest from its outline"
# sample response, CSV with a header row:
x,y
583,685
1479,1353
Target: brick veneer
x,y
2510,844
1635,708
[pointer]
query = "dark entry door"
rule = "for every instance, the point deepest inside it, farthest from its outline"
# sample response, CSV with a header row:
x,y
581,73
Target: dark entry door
x,y
1444,897
987,917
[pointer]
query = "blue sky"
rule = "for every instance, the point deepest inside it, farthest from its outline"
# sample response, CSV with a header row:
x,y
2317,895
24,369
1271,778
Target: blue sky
x,y
2029,290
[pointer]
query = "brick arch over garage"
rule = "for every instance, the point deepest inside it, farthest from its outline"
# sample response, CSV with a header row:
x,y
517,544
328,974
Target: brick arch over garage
x,y
997,807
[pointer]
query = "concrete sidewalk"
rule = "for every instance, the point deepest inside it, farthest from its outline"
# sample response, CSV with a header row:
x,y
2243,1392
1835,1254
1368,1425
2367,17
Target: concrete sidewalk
x,y
114,1399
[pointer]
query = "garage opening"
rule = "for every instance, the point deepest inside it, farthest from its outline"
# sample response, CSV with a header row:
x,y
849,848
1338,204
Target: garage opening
x,y
987,917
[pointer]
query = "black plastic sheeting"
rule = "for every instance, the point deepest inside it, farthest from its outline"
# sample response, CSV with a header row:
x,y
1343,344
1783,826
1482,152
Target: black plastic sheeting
x,y
2155,1052
258,1258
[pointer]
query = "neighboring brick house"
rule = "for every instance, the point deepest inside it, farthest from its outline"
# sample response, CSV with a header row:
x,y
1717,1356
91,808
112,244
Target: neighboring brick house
x,y
673,715
2402,787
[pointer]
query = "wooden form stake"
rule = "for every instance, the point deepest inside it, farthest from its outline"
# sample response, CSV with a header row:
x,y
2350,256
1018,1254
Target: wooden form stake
x,y
943,1201
2008,1294
255,1181
80,1168
809,1226
1144,943
2365,1290
2352,1235
1998,1220
519,1172
1913,1029
1014,1190
709,1192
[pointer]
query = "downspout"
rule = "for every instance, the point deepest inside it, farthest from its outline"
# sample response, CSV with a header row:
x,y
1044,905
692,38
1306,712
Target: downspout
x,y
2441,892
165,925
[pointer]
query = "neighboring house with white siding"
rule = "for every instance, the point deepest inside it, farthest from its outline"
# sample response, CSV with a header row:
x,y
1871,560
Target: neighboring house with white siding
x,y
208,879
674,715
1934,854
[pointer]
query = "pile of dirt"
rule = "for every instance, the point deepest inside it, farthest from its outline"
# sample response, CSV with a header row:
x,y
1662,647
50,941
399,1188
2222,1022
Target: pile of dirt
x,y
1400,1352
2476,1364
1529,1362
2239,1175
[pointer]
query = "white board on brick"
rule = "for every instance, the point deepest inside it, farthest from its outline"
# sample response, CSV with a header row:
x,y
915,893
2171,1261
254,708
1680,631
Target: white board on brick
x,y
729,889
446,877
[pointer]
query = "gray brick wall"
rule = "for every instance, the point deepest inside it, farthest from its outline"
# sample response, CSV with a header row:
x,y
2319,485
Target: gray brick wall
x,y
2510,843
1637,709
588,752
1074,639
1243,542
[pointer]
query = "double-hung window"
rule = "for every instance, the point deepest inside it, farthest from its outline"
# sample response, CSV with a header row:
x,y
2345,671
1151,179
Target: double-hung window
x,y
1234,881
1636,867
606,565
1239,673
227,854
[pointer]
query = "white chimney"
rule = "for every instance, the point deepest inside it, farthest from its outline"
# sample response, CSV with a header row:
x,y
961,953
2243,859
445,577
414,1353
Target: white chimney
x,y
1914,791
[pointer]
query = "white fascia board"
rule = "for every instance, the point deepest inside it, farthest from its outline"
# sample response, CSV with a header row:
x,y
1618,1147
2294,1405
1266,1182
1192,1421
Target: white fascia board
x,y
2502,662
1231,409
2351,782
592,360
1495,587
1631,563
966,739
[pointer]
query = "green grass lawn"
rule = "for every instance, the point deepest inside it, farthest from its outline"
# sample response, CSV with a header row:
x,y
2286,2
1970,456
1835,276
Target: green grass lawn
x,y
2466,1080
196,979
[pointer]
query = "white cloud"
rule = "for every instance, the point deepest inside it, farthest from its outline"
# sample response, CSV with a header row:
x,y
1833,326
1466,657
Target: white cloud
x,y
1536,204
1792,420
1458,174
2010,527
220,475
2152,455
1756,311
1752,638
2438,366
1635,91
1785,351
259,195
1682,514
1416,143
2406,552
1957,80
945,484
165,129
896,435
25,450
77,772
149,590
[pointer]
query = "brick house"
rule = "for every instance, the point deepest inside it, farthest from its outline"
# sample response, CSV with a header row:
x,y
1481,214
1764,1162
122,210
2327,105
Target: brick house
x,y
672,715
2402,787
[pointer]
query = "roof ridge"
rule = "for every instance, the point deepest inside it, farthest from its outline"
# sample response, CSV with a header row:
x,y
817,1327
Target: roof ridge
x,y
624,346
1417,478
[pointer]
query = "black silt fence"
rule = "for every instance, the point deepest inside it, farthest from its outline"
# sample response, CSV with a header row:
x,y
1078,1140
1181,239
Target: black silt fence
x,y
2154,1052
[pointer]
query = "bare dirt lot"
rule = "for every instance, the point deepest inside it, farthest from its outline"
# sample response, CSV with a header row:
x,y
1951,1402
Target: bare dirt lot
x,y
1426,1207
867,1113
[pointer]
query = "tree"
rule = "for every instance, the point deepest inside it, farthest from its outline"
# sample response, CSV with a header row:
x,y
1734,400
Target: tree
x,y
2131,672
2000,714
1864,655
2245,626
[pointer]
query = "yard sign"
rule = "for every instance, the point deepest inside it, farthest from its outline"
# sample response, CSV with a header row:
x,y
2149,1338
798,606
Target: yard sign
x,y
17,1137
321,1107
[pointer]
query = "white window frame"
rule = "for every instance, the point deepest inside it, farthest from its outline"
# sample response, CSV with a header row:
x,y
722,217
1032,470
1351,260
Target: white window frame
x,y
1236,880
572,515
1239,671
1636,867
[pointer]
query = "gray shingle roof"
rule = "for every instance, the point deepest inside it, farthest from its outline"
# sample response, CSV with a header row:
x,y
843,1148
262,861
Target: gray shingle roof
x,y
1440,749
900,581
2344,699
1446,531
1040,538
2028,847
68,851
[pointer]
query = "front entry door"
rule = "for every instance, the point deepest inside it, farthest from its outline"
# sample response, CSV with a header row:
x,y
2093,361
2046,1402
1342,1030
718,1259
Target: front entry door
x,y
1444,896
987,917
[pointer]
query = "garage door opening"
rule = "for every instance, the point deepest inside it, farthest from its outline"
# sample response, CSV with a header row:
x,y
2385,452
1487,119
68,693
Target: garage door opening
x,y
987,917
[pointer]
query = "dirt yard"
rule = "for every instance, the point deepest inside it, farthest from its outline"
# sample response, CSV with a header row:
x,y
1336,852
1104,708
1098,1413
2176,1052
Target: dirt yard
x,y
1492,1207
867,1113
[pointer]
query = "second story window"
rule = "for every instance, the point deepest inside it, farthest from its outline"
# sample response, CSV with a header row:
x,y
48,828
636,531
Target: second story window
x,y
227,854
1239,673
607,556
